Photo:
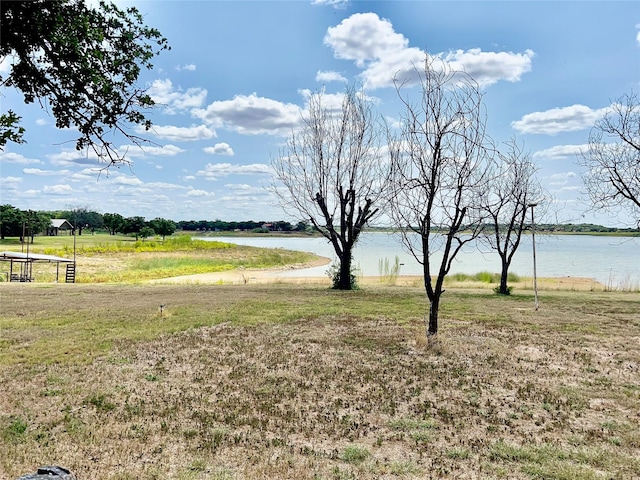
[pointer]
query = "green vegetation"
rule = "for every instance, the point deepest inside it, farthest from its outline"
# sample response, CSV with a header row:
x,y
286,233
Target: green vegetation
x,y
105,258
483,277
355,454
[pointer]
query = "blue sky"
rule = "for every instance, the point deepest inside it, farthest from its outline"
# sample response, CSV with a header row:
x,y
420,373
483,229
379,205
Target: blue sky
x,y
239,72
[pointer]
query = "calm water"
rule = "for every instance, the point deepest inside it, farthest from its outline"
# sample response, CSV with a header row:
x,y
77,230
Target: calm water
x,y
613,261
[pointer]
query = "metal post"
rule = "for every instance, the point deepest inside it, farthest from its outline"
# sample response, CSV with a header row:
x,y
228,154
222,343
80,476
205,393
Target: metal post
x,y
27,271
533,238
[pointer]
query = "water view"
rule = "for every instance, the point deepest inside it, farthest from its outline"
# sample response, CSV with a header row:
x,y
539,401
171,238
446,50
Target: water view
x,y
613,261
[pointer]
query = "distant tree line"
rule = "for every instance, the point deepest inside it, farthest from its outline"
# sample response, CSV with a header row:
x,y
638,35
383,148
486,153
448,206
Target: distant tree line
x,y
222,226
15,222
582,228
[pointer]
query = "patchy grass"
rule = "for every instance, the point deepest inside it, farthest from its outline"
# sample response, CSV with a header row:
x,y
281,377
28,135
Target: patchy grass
x,y
300,381
108,259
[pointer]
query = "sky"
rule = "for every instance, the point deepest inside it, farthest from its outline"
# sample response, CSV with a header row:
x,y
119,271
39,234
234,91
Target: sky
x,y
239,74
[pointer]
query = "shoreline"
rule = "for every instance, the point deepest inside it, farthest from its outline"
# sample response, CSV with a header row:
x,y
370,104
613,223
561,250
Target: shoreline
x,y
274,275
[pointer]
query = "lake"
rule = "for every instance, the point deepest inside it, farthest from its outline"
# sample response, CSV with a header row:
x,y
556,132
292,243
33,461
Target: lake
x,y
613,261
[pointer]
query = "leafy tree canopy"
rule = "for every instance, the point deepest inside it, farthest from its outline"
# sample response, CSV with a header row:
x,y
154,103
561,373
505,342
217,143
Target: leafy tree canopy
x,y
163,227
82,63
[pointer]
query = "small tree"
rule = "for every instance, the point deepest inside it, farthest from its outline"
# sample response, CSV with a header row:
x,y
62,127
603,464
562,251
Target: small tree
x,y
114,222
334,173
33,222
439,168
82,217
11,219
134,225
146,232
163,227
612,159
512,189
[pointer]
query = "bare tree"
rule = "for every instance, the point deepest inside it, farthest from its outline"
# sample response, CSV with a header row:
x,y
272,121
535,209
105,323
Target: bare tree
x,y
612,159
513,188
439,166
333,172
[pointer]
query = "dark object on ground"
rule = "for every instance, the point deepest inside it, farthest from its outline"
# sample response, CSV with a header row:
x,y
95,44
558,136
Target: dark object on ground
x,y
49,473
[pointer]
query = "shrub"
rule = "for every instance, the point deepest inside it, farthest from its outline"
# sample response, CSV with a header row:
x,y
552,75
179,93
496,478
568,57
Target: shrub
x,y
355,454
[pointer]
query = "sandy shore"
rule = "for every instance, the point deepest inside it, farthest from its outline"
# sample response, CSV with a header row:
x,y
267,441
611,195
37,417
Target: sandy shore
x,y
253,276
275,275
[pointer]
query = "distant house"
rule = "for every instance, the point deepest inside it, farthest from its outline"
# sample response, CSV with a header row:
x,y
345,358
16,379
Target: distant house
x,y
59,225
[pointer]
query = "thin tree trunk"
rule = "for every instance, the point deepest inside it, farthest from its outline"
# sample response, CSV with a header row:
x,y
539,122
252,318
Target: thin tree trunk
x,y
434,307
504,289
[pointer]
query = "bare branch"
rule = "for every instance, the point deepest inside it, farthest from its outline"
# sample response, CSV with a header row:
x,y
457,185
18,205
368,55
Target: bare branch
x,y
334,172
612,159
439,168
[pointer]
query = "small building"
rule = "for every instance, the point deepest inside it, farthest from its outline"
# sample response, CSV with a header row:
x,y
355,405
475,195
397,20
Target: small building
x,y
59,225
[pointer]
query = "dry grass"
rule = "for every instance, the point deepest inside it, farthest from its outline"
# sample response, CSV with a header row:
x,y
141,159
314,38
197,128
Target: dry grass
x,y
297,381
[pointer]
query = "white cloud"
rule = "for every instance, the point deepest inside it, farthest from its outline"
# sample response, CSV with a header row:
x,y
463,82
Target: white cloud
x,y
58,189
75,158
556,120
125,180
251,115
338,4
560,152
488,68
11,157
220,149
164,186
11,180
332,102
326,77
559,179
383,54
163,93
42,121
44,173
181,134
242,189
197,193
364,37
212,171
189,67
150,150
638,34
84,177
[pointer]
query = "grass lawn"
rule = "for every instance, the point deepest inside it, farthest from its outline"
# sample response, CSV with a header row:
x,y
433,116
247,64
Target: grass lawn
x,y
299,381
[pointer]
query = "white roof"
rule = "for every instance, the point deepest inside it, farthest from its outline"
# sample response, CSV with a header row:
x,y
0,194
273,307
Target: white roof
x,y
58,222
32,257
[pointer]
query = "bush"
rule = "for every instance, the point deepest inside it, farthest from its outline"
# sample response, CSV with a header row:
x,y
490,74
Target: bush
x,y
334,274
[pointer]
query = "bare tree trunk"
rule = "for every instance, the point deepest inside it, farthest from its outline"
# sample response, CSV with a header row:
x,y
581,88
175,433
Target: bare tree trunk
x,y
439,169
344,282
504,274
334,172
434,307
